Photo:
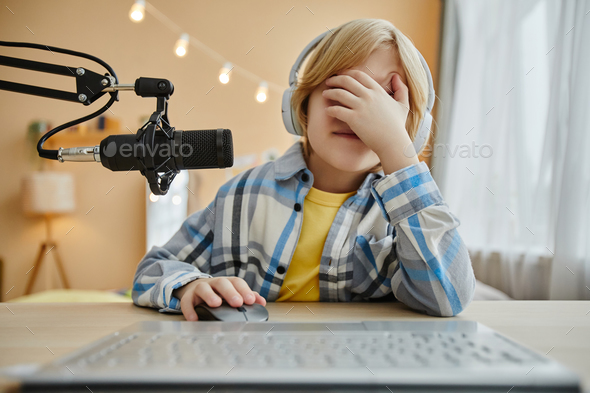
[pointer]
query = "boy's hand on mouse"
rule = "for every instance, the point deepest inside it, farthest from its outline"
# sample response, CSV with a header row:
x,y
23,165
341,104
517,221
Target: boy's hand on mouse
x,y
212,291
376,114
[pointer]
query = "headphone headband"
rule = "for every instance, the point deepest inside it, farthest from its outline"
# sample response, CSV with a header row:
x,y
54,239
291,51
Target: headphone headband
x,y
302,56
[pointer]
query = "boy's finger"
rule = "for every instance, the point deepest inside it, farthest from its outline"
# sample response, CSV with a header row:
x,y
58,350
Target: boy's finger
x,y
244,290
226,289
187,306
400,90
205,293
259,299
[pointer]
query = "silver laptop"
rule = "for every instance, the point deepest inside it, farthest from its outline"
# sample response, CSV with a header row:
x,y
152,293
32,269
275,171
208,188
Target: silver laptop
x,y
368,356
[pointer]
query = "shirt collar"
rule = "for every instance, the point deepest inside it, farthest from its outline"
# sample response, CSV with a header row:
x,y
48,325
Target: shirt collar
x,y
290,163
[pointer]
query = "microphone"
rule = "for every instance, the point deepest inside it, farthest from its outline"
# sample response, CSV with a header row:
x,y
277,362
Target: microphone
x,y
201,149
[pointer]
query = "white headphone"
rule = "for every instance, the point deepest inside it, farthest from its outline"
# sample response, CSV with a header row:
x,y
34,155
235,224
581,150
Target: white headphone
x,y
294,128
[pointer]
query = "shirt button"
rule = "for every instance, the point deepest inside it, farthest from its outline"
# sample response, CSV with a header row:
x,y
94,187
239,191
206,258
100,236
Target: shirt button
x,y
305,177
297,207
280,270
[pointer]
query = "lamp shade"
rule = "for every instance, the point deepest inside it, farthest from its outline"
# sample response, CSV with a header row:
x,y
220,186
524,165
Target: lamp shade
x,y
48,193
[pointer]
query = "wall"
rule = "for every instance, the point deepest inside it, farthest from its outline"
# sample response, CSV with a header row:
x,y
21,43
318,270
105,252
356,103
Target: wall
x,y
105,245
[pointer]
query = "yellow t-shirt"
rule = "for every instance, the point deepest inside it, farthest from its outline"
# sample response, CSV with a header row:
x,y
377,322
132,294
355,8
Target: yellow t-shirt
x,y
302,282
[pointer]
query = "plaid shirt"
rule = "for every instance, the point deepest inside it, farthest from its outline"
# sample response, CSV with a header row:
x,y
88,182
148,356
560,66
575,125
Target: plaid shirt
x,y
394,239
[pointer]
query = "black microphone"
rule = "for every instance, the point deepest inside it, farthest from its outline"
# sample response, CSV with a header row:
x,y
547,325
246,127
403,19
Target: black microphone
x,y
201,149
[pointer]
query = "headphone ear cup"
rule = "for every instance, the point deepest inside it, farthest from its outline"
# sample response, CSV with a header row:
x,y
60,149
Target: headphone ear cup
x,y
291,124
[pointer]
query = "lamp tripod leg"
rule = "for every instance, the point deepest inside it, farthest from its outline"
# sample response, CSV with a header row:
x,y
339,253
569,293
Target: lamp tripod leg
x,y
60,268
36,268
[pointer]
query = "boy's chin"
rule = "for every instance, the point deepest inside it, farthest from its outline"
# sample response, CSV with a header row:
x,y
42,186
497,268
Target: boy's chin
x,y
346,156
352,163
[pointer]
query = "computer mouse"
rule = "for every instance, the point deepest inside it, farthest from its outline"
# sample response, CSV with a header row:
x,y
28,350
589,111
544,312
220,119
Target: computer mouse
x,y
227,313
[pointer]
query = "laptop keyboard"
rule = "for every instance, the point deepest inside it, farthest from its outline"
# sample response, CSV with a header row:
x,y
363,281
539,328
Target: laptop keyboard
x,y
318,350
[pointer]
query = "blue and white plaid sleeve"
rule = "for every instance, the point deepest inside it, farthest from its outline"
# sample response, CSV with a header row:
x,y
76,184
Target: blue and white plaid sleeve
x,y
173,265
434,273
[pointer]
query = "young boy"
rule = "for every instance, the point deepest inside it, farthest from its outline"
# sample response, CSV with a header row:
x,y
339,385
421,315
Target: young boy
x,y
346,214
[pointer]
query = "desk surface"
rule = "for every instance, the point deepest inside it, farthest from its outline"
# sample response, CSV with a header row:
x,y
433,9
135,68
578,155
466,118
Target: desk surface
x,y
40,332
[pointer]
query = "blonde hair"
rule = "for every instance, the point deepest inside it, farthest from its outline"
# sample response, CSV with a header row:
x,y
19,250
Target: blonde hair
x,y
351,44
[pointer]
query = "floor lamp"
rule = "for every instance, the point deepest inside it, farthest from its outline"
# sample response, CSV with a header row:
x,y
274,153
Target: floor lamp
x,y
48,194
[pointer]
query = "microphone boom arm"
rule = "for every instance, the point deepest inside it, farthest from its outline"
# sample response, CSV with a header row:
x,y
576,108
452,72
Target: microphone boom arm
x,y
90,86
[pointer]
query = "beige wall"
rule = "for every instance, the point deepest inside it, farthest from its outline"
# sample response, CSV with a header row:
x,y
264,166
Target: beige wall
x,y
103,249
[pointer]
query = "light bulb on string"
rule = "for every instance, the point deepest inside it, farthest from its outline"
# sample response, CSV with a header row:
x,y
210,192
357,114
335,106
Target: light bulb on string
x,y
153,197
262,92
181,46
224,72
137,11
137,14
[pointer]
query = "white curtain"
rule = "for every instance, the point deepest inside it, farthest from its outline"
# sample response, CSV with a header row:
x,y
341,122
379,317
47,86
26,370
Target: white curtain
x,y
512,152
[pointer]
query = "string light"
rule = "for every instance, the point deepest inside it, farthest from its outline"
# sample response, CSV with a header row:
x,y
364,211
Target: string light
x,y
137,11
153,197
181,45
176,199
262,92
224,72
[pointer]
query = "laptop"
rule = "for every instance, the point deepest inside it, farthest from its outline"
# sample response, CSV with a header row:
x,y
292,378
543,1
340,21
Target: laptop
x,y
368,356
